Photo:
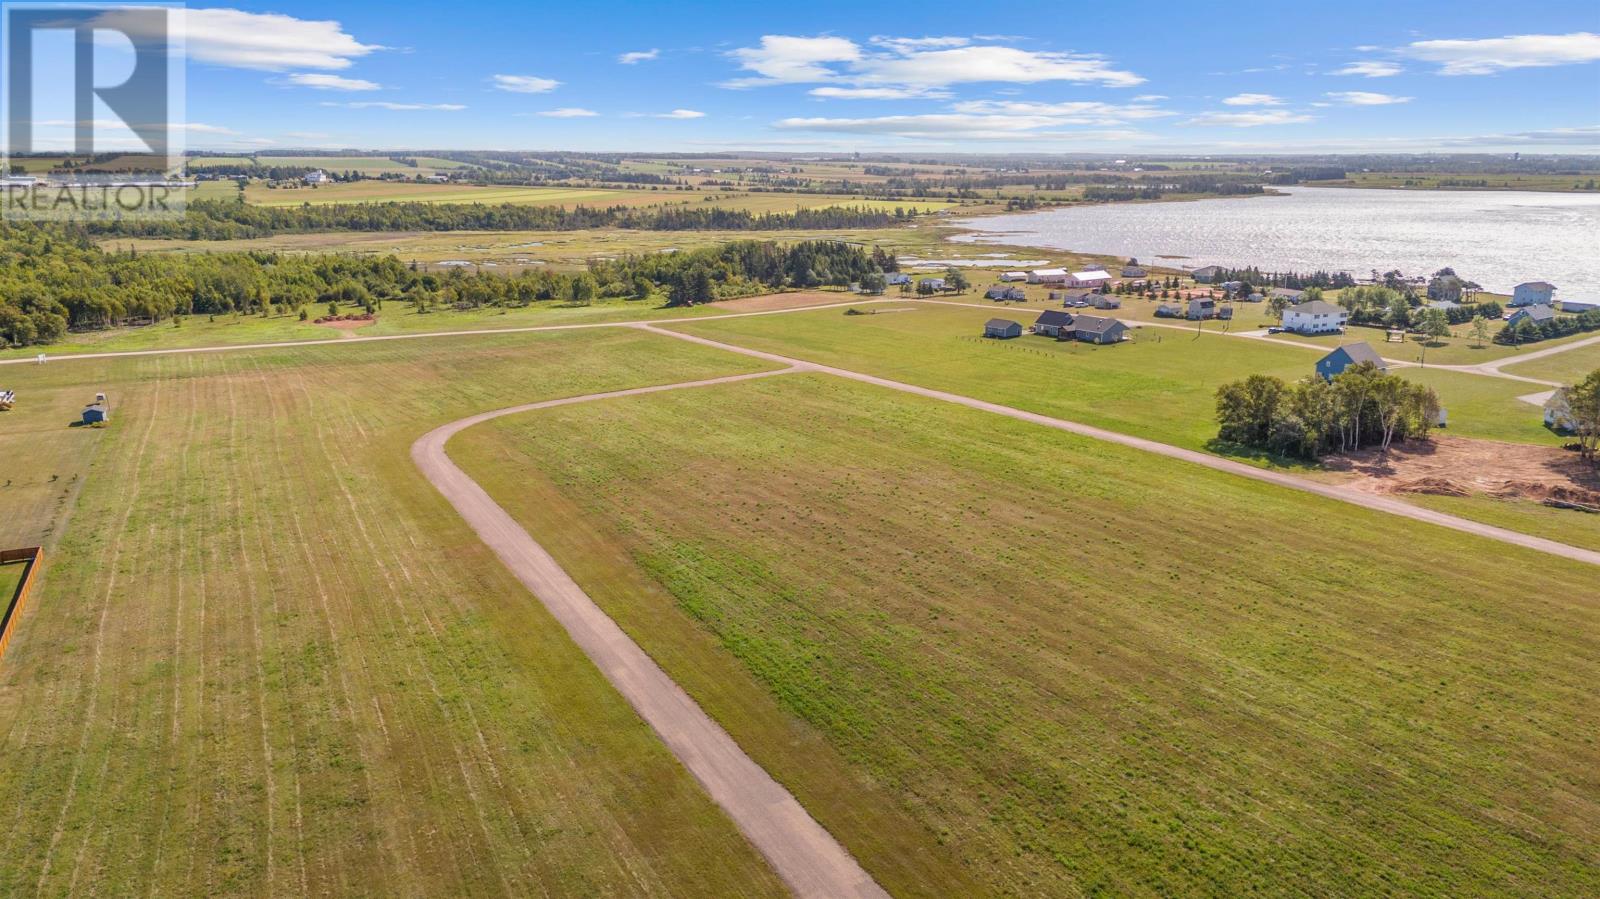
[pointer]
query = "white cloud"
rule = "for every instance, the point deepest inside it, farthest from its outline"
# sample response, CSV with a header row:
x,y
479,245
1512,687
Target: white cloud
x,y
247,40
525,84
879,93
911,63
326,82
1370,68
1079,112
638,56
786,59
1250,119
568,112
952,127
681,114
398,107
1253,100
1365,98
1490,55
1150,98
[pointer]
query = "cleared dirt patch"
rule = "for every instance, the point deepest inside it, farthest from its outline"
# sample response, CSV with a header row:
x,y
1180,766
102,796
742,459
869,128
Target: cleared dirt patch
x,y
1457,466
797,300
348,327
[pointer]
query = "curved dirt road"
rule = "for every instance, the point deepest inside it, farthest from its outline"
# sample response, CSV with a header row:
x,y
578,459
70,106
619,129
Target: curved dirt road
x,y
805,855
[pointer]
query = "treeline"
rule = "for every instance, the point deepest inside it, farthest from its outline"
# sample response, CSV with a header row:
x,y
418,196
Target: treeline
x,y
1294,280
50,283
235,220
1386,307
1529,331
1361,406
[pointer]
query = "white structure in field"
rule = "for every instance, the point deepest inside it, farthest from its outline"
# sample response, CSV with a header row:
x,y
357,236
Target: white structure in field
x,y
1315,317
1095,277
1532,293
1047,276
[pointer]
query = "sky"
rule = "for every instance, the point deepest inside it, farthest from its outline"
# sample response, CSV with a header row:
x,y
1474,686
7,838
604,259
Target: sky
x,y
932,76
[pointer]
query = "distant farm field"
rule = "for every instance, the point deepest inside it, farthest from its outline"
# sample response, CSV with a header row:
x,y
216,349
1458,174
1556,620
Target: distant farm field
x,y
266,658
1087,669
367,165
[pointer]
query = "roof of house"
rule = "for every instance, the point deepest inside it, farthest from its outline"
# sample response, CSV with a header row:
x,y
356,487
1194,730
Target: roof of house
x,y
1538,313
1000,323
1315,307
1358,353
1091,273
1053,317
1541,285
1042,272
1014,274
1094,324
1209,268
1290,292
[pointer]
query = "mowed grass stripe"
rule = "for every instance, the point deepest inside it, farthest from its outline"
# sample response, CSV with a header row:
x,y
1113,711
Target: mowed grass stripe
x,y
314,679
1081,668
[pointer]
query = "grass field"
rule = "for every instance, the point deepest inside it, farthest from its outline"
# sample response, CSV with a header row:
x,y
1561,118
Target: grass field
x,y
1161,385
367,165
1562,525
1567,368
10,579
266,658
1085,669
1437,181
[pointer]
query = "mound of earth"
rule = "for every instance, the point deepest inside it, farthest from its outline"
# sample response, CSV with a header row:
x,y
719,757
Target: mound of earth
x,y
1457,466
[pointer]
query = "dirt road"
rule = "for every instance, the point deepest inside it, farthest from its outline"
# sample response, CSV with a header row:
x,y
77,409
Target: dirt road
x,y
805,855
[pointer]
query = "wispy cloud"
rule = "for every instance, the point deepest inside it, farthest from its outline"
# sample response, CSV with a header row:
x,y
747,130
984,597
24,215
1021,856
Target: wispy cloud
x,y
954,127
1370,68
1077,112
568,112
638,56
913,63
1365,98
1490,55
525,84
398,107
681,114
326,82
879,93
1253,100
1251,119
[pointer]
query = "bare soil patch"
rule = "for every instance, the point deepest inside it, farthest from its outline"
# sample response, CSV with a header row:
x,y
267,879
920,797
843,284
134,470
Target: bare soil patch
x,y
1457,466
347,327
795,300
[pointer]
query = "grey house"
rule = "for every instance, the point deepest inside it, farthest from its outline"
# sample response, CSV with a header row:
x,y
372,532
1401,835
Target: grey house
x,y
1202,309
1051,323
1095,329
1289,293
1536,314
1002,292
1344,357
1002,328
1206,274
1167,310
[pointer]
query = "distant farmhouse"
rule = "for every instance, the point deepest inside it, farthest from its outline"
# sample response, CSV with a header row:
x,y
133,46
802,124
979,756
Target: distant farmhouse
x,y
1536,314
894,278
1002,328
1002,292
317,177
1315,317
1533,293
1344,357
1206,274
931,284
1133,271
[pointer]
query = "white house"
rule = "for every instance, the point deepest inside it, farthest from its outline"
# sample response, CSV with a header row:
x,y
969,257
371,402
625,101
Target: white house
x,y
1558,411
1532,293
1013,276
318,177
1094,277
1315,317
1047,276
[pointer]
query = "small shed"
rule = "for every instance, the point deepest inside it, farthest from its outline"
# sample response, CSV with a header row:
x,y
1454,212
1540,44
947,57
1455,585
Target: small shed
x,y
96,414
1350,354
1002,328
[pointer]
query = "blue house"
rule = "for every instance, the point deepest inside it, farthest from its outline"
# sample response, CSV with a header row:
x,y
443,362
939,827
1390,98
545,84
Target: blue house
x,y
1535,314
1350,354
894,278
96,414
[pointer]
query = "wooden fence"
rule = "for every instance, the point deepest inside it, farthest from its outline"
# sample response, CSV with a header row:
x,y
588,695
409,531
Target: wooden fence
x,y
31,556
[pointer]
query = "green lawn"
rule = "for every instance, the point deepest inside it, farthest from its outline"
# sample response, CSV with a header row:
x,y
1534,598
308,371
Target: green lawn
x,y
1081,668
1161,385
10,578
1567,368
267,658
1562,525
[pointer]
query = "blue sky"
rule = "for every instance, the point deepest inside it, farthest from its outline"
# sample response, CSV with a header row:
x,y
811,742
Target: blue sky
x,y
935,76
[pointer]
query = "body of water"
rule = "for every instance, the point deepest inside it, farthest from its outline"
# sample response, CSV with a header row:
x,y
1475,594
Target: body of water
x,y
1496,238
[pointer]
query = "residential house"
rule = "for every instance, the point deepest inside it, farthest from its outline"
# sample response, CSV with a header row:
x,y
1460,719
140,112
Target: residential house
x,y
318,177
1105,301
1206,274
931,284
1315,317
1201,308
1133,271
894,278
1231,286
1002,328
1167,310
1094,277
1013,276
1080,297
1533,293
1295,297
1095,329
1346,356
1558,411
1535,314
1002,292
1047,276
1051,322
